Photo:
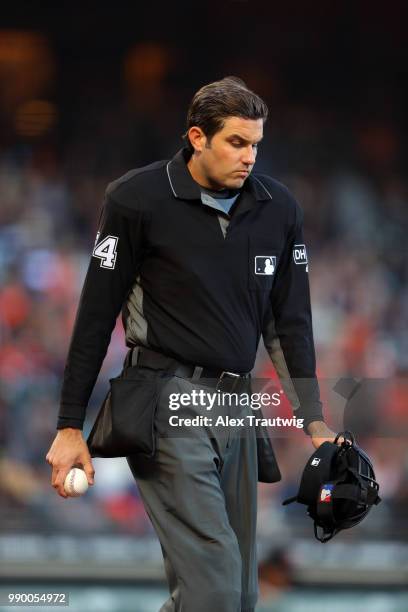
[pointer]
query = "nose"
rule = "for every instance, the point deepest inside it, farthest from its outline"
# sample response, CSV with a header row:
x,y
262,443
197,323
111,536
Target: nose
x,y
249,155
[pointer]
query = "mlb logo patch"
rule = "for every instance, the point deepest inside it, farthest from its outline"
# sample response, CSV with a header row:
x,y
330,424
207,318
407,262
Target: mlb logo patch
x,y
300,255
265,264
326,493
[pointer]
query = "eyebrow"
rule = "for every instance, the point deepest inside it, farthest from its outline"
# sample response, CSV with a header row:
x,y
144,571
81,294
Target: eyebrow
x,y
232,136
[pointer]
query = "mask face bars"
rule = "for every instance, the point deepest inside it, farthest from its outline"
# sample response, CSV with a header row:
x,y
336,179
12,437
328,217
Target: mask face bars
x,y
350,502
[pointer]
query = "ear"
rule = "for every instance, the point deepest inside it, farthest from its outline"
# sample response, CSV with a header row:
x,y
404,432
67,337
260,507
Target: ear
x,y
197,138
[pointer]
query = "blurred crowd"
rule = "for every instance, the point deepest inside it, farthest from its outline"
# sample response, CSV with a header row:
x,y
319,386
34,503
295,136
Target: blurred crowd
x,y
346,173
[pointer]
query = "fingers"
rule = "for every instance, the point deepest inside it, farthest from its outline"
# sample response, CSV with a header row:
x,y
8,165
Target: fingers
x,y
317,441
89,471
58,479
85,463
58,474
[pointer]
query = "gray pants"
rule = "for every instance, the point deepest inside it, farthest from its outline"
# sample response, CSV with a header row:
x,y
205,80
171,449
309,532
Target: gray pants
x,y
200,492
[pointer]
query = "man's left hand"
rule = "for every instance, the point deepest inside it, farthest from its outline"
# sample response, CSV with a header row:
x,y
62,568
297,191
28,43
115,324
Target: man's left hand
x,y
321,433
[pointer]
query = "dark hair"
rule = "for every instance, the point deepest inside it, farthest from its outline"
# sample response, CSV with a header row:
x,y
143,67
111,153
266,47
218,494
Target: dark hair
x,y
214,102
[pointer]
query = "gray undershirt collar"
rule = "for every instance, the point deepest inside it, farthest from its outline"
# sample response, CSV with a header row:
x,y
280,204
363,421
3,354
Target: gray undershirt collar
x,y
222,200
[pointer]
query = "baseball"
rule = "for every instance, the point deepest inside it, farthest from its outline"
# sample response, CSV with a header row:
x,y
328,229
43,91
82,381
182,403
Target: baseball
x,y
76,482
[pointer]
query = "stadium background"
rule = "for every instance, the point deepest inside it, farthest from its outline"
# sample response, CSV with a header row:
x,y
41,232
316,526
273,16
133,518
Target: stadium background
x,y
88,92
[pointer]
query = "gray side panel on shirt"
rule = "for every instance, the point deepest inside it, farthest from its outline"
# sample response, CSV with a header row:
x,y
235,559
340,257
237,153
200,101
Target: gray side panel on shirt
x,y
136,324
274,349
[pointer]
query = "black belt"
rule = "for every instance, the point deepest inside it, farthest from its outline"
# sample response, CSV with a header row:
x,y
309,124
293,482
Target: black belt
x,y
157,361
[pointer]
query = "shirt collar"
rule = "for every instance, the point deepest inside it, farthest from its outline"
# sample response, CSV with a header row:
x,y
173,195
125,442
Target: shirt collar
x,y
185,187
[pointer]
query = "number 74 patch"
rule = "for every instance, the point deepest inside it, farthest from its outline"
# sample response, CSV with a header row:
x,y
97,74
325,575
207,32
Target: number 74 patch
x,y
106,251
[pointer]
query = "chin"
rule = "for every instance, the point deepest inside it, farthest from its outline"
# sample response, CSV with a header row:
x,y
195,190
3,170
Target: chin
x,y
235,183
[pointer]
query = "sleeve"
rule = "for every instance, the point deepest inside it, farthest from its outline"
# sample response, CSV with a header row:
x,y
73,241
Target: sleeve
x,y
287,330
112,269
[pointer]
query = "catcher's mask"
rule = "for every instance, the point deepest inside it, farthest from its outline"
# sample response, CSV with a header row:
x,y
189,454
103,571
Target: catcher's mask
x,y
338,487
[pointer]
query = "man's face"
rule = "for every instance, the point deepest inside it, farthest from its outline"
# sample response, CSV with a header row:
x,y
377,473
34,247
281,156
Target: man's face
x,y
227,160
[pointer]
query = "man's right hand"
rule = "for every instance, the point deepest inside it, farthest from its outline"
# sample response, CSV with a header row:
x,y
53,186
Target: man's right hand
x,y
69,449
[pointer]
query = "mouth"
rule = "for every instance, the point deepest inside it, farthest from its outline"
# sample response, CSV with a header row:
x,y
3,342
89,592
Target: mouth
x,y
242,172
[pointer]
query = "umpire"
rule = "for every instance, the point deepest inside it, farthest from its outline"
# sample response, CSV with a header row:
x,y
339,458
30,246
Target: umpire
x,y
202,257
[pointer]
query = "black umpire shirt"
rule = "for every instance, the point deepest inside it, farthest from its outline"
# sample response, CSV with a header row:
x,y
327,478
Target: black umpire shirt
x,y
196,284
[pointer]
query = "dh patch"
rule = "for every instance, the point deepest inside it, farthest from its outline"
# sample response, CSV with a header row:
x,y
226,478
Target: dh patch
x,y
299,254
